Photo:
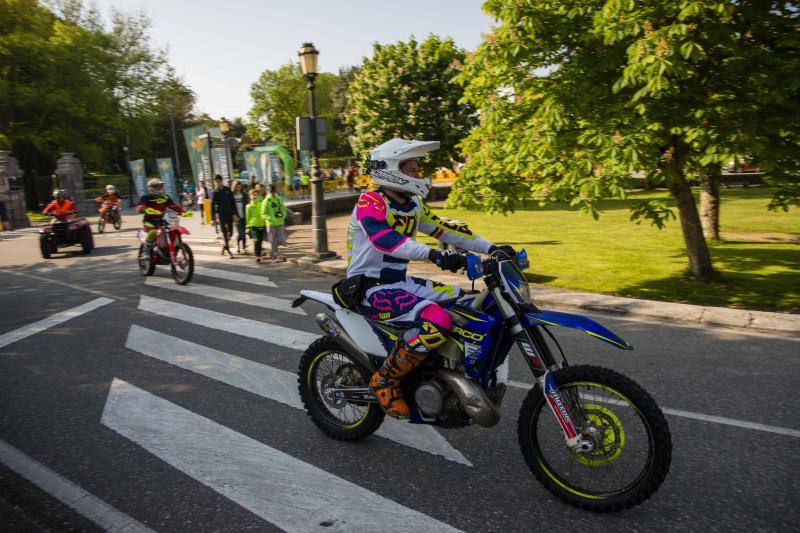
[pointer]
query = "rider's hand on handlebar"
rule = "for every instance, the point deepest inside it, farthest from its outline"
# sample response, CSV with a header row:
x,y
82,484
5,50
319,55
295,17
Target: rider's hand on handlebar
x,y
451,260
502,252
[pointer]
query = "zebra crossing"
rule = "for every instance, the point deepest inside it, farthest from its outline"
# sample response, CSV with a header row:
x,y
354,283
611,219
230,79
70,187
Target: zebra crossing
x,y
281,489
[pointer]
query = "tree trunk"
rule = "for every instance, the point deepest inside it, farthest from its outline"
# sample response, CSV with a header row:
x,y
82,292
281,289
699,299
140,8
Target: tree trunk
x,y
696,248
709,203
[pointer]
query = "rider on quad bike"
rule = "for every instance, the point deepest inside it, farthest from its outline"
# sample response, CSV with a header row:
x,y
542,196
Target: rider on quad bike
x,y
61,207
154,205
380,243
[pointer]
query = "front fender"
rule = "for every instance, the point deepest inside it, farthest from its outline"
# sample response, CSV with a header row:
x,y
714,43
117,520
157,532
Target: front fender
x,y
568,320
179,229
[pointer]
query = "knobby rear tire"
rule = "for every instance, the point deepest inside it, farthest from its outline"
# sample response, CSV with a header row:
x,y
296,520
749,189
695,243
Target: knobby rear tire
x,y
313,403
661,441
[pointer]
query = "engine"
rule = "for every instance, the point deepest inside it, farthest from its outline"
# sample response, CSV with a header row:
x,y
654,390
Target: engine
x,y
434,399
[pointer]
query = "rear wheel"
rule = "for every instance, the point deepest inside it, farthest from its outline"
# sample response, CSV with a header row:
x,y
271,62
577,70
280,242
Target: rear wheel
x,y
629,447
146,264
87,241
324,364
183,267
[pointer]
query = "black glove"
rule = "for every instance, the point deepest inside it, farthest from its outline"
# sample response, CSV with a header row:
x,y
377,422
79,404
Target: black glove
x,y
451,260
502,252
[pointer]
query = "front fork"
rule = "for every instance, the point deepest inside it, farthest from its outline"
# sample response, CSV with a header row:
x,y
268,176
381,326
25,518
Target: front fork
x,y
527,344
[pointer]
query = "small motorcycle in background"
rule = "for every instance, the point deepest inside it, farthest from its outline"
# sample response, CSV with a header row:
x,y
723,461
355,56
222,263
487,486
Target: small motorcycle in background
x,y
169,249
110,215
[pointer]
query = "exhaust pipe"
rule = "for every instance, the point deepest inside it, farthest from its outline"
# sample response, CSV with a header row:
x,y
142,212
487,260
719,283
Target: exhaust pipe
x,y
478,406
334,329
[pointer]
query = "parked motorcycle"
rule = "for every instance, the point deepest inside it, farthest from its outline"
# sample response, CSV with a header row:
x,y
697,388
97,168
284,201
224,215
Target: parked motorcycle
x,y
169,249
111,215
590,435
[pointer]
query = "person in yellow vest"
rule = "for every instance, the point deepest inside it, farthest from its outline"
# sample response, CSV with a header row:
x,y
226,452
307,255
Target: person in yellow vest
x,y
255,220
305,179
274,211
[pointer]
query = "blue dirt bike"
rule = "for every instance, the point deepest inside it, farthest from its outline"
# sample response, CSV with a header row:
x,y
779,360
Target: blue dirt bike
x,y
591,436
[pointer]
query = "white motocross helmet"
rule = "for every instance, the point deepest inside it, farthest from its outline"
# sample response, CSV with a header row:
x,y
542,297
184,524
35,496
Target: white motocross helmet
x,y
155,185
110,189
384,165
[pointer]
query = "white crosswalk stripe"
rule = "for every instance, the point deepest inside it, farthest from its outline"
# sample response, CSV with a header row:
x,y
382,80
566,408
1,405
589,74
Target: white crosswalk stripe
x,y
289,493
272,333
234,276
255,299
270,382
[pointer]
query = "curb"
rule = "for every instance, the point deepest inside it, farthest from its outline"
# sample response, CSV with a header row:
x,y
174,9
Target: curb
x,y
759,321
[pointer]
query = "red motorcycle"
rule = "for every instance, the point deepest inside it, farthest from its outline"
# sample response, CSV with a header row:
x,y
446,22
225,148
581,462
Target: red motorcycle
x,y
169,249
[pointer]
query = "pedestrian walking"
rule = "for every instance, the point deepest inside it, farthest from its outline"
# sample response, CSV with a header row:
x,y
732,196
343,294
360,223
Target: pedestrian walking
x,y
223,208
274,211
4,223
305,179
255,221
351,178
241,200
202,196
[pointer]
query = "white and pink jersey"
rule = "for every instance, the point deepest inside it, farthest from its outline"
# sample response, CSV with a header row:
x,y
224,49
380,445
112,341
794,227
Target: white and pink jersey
x,y
380,236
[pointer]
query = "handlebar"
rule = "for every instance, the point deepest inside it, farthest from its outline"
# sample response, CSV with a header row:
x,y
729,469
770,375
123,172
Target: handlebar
x,y
477,267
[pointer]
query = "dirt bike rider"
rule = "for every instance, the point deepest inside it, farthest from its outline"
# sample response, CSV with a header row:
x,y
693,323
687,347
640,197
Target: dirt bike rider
x,y
61,207
154,205
380,244
110,198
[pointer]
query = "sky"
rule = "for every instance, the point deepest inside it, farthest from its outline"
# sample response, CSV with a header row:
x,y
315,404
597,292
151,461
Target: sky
x,y
220,47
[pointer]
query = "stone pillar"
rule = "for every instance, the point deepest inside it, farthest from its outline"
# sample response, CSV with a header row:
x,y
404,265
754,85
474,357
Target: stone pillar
x,y
11,191
69,176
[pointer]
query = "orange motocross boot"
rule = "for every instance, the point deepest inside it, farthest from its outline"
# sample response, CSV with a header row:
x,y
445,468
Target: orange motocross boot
x,y
385,383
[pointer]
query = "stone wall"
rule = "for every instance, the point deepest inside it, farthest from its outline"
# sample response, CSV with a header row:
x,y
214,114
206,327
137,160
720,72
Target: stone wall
x,y
14,198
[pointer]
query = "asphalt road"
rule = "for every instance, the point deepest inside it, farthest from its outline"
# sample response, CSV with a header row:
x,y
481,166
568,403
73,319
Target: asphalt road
x,y
116,403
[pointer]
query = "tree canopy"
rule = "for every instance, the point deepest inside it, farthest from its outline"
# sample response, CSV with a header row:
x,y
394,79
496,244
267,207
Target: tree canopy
x,y
281,95
406,90
71,82
576,95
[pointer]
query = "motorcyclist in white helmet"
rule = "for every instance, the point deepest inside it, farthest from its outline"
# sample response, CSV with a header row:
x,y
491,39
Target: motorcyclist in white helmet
x,y
380,244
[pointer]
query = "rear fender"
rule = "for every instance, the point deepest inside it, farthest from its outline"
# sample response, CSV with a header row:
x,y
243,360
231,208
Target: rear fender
x,y
569,320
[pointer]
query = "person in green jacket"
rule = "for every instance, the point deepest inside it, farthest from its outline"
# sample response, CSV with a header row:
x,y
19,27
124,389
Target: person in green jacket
x,y
255,220
305,179
274,211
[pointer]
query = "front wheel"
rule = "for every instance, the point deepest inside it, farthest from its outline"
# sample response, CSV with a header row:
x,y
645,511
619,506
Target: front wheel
x,y
325,365
117,220
101,223
631,446
87,241
183,267
46,247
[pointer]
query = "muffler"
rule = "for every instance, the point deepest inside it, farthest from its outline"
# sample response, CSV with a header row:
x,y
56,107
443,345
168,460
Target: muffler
x,y
334,329
477,405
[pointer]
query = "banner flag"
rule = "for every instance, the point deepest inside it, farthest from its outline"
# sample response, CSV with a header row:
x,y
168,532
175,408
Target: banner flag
x,y
197,148
222,164
167,175
251,165
139,175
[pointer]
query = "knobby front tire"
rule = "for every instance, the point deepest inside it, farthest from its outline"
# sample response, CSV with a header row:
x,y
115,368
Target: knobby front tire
x,y
619,396
325,355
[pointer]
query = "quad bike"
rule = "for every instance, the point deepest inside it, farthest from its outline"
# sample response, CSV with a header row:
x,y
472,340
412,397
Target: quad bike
x,y
64,231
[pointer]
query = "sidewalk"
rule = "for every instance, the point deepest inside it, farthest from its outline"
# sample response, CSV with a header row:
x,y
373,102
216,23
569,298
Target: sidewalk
x,y
300,243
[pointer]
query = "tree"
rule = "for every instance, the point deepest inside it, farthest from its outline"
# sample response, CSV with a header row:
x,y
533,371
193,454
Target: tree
x,y
576,95
281,95
406,90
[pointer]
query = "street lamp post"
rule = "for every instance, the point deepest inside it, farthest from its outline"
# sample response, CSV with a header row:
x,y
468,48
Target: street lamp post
x,y
224,128
174,139
308,63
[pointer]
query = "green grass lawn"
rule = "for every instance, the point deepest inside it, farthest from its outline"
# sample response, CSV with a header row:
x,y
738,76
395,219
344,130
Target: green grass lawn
x,y
33,216
613,255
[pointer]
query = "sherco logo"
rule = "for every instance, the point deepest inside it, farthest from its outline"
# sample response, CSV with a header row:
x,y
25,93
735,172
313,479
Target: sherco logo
x,y
469,334
561,409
